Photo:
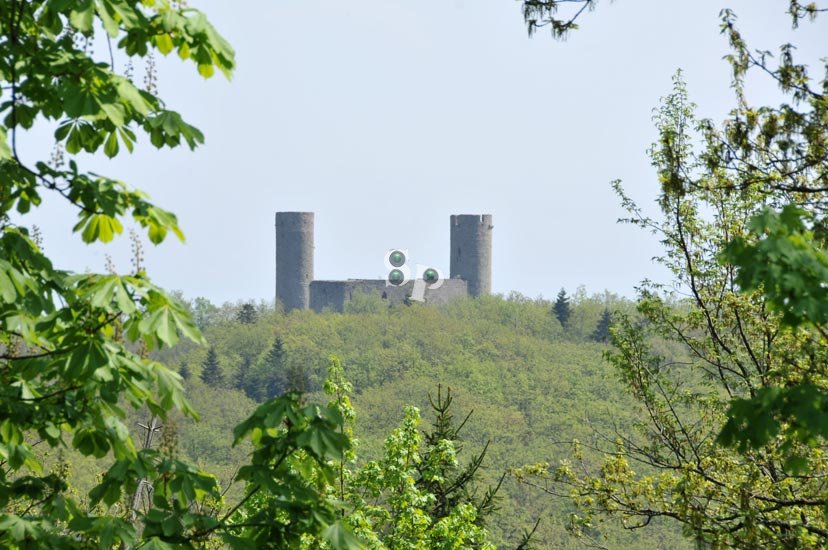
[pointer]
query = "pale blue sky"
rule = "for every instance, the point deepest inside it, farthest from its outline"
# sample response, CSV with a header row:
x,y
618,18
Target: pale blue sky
x,y
386,117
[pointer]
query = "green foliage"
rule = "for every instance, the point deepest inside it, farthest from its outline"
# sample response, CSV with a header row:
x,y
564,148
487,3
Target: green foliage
x,y
70,345
363,302
74,363
800,411
416,496
291,464
386,503
208,441
783,259
402,520
530,385
782,256
203,312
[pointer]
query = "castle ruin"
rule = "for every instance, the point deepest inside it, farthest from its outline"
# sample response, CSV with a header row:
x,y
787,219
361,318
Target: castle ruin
x,y
470,267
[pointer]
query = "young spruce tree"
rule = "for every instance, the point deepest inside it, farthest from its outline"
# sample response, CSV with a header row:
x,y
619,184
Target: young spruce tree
x,y
562,308
247,314
211,371
602,330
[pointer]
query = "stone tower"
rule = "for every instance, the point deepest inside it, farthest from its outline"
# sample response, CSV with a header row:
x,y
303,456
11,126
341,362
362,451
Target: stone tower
x,y
471,251
294,258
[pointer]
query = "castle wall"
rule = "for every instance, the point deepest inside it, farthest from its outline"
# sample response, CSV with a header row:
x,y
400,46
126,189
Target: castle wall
x,y
471,251
327,294
335,295
294,258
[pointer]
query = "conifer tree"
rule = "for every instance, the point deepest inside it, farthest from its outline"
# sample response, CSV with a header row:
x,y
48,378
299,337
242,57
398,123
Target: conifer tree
x,y
602,332
210,370
279,375
452,484
275,378
184,370
243,375
247,314
562,308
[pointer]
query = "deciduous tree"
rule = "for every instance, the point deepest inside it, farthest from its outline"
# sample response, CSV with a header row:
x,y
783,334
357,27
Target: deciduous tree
x,y
711,351
72,345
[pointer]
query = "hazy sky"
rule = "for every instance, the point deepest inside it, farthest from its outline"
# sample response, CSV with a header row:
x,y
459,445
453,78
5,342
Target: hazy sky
x,y
386,117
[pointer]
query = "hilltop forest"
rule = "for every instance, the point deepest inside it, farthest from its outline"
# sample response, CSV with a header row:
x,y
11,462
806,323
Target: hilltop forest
x,y
526,385
530,385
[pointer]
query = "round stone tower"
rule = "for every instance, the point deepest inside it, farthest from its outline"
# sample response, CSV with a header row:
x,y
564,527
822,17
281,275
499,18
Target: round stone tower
x,y
294,259
471,251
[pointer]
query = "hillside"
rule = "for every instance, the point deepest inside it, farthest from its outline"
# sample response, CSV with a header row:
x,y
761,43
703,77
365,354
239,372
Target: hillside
x,y
532,387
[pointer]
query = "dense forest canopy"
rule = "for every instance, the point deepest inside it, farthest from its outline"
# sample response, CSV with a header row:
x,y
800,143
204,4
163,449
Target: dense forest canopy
x,y
531,386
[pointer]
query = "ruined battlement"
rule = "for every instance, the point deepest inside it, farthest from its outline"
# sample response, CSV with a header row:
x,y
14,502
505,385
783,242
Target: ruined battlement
x,y
470,267
335,295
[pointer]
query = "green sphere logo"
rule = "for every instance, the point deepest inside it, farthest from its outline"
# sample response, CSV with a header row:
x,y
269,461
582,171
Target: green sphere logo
x,y
430,275
396,258
396,277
